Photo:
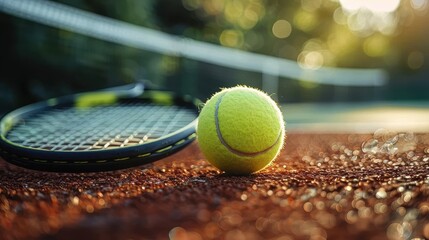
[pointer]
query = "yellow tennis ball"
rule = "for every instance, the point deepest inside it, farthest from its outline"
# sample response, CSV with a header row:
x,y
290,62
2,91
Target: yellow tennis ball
x,y
240,130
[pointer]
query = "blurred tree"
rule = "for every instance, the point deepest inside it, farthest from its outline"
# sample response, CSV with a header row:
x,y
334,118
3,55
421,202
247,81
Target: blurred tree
x,y
42,62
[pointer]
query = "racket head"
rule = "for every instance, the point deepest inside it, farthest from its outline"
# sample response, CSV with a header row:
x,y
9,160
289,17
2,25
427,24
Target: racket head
x,y
98,131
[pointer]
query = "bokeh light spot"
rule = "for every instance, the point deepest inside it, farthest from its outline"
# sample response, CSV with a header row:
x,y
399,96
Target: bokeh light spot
x,y
419,4
359,23
231,38
233,11
382,5
342,42
305,21
376,46
415,60
282,29
426,230
213,7
249,19
350,5
366,17
371,5
395,231
313,44
310,60
311,5
340,17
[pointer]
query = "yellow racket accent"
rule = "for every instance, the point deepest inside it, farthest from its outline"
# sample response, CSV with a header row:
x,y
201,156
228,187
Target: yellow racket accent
x,y
95,99
8,123
164,98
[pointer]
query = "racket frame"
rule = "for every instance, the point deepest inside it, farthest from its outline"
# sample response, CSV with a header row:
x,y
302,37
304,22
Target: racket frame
x,y
93,160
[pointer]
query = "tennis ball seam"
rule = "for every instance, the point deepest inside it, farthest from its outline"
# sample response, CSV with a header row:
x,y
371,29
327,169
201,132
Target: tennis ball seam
x,y
225,144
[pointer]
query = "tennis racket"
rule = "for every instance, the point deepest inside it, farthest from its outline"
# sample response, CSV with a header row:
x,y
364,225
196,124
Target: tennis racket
x,y
105,130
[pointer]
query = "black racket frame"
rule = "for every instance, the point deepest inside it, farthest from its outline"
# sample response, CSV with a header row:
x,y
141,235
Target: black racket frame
x,y
94,160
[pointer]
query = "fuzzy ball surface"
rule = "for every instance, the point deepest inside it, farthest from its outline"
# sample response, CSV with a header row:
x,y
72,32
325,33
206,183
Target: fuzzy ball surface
x,y
240,130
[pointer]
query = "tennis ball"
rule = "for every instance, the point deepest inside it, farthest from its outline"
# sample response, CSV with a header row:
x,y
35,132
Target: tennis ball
x,y
240,130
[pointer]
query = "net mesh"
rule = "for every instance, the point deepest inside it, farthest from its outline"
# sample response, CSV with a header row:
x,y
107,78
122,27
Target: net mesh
x,y
102,127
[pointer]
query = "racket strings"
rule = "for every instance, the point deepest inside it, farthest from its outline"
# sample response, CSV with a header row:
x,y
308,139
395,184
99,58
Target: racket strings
x,y
103,127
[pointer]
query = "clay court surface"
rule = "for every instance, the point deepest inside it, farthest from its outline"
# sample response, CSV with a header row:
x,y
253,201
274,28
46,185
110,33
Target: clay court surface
x,y
321,187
